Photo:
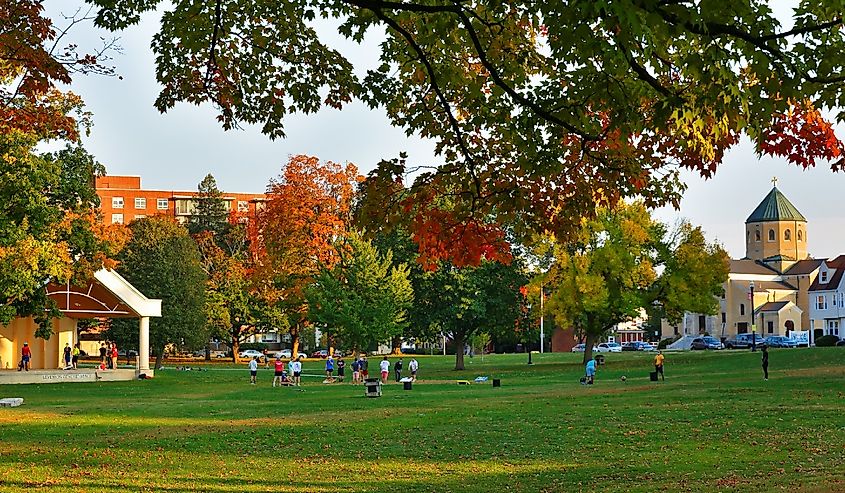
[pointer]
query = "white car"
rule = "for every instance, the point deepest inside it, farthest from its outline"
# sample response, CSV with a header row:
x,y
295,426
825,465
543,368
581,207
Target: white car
x,y
580,348
286,353
250,353
608,347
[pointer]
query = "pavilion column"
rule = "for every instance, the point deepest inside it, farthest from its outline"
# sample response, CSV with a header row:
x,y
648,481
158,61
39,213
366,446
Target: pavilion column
x,y
144,344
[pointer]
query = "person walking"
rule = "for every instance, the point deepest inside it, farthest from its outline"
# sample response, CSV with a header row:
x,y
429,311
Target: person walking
x,y
75,356
413,366
364,365
658,365
67,355
384,365
765,363
297,372
341,369
114,356
330,368
356,374
253,369
278,371
266,358
26,357
590,371
397,370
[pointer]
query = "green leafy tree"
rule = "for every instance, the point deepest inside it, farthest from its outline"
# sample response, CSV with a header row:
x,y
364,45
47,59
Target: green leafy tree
x,y
364,298
162,261
462,302
624,261
210,213
538,109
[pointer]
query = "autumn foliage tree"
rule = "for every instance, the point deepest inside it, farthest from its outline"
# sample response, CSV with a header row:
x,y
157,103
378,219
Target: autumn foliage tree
x,y
308,209
540,110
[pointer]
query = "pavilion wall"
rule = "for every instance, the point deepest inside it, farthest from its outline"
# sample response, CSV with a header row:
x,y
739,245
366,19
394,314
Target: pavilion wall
x,y
46,354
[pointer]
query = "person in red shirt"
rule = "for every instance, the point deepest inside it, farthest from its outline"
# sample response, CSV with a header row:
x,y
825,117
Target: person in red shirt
x,y
279,369
26,357
114,356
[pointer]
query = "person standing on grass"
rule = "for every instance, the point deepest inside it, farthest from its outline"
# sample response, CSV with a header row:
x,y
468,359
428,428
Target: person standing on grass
x,y
75,356
413,366
356,374
67,355
297,372
397,370
279,371
341,369
765,363
384,365
253,369
364,365
590,371
330,368
266,358
658,365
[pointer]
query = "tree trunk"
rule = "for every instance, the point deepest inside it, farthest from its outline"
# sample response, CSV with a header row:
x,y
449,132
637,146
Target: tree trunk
x,y
294,339
159,352
236,343
396,345
588,347
207,353
458,341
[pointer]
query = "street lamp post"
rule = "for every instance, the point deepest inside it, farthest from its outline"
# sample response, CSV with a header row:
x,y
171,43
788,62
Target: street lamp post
x,y
753,320
542,334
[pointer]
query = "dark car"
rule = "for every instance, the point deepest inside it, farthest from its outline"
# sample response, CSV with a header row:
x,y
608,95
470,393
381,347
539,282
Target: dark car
x,y
780,341
706,342
743,341
630,346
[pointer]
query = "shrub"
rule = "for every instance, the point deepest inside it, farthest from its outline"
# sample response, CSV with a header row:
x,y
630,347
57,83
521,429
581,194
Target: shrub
x,y
665,342
827,341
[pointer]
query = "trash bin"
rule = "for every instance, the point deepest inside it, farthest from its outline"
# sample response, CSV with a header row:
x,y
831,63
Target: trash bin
x,y
599,359
497,382
406,385
372,387
653,376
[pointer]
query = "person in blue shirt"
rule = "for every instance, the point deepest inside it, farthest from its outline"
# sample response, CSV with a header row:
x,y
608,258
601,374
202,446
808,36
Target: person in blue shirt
x,y
591,371
330,368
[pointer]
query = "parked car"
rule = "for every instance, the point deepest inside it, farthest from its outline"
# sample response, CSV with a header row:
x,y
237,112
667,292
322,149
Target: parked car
x,y
250,353
218,354
743,341
122,353
608,347
631,346
780,341
320,353
644,346
286,354
706,342
580,348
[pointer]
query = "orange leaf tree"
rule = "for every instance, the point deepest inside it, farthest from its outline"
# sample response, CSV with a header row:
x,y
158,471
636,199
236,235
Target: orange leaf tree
x,y
309,207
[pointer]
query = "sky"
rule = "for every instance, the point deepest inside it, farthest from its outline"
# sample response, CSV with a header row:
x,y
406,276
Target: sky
x,y
177,149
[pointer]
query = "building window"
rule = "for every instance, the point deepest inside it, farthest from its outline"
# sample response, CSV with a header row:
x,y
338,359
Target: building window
x,y
800,235
821,302
787,235
140,216
140,203
243,206
757,235
117,203
117,218
161,204
771,235
742,308
824,276
833,300
770,326
724,317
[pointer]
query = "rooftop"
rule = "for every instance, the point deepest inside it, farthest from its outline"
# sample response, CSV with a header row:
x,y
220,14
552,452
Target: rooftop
x,y
775,207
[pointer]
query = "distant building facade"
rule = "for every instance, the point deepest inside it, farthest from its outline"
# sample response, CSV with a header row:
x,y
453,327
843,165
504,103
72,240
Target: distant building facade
x,y
122,200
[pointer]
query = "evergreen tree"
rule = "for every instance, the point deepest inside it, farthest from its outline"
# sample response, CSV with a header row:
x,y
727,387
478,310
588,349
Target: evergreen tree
x,y
210,213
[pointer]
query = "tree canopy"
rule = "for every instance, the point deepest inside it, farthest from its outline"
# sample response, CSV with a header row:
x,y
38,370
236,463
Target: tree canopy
x,y
540,110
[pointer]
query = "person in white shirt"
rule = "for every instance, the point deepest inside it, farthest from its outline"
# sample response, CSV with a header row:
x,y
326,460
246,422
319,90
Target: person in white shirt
x,y
413,366
253,369
385,369
297,372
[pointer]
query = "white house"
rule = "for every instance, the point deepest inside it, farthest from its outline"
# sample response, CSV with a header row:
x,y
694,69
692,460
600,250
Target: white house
x,y
827,298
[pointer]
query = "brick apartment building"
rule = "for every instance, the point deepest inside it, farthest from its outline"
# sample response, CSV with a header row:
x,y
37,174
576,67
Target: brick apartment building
x,y
122,199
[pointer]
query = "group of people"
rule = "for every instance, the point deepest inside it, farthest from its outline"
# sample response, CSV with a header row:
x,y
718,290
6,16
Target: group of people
x,y
292,375
108,356
71,356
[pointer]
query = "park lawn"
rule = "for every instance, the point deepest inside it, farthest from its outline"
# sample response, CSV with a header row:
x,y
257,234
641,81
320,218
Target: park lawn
x,y
714,425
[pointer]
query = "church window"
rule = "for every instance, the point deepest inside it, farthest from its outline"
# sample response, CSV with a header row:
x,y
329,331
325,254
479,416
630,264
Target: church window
x,y
771,235
787,235
800,235
757,235
742,308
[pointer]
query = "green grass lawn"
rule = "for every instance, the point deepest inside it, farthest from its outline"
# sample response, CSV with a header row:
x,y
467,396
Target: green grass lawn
x,y
714,425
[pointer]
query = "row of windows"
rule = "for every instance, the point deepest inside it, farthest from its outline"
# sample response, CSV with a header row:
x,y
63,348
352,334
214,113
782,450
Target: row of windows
x,y
118,218
787,235
140,203
821,301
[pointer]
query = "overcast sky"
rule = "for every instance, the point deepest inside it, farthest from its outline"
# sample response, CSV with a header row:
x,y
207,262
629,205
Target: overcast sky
x,y
176,150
